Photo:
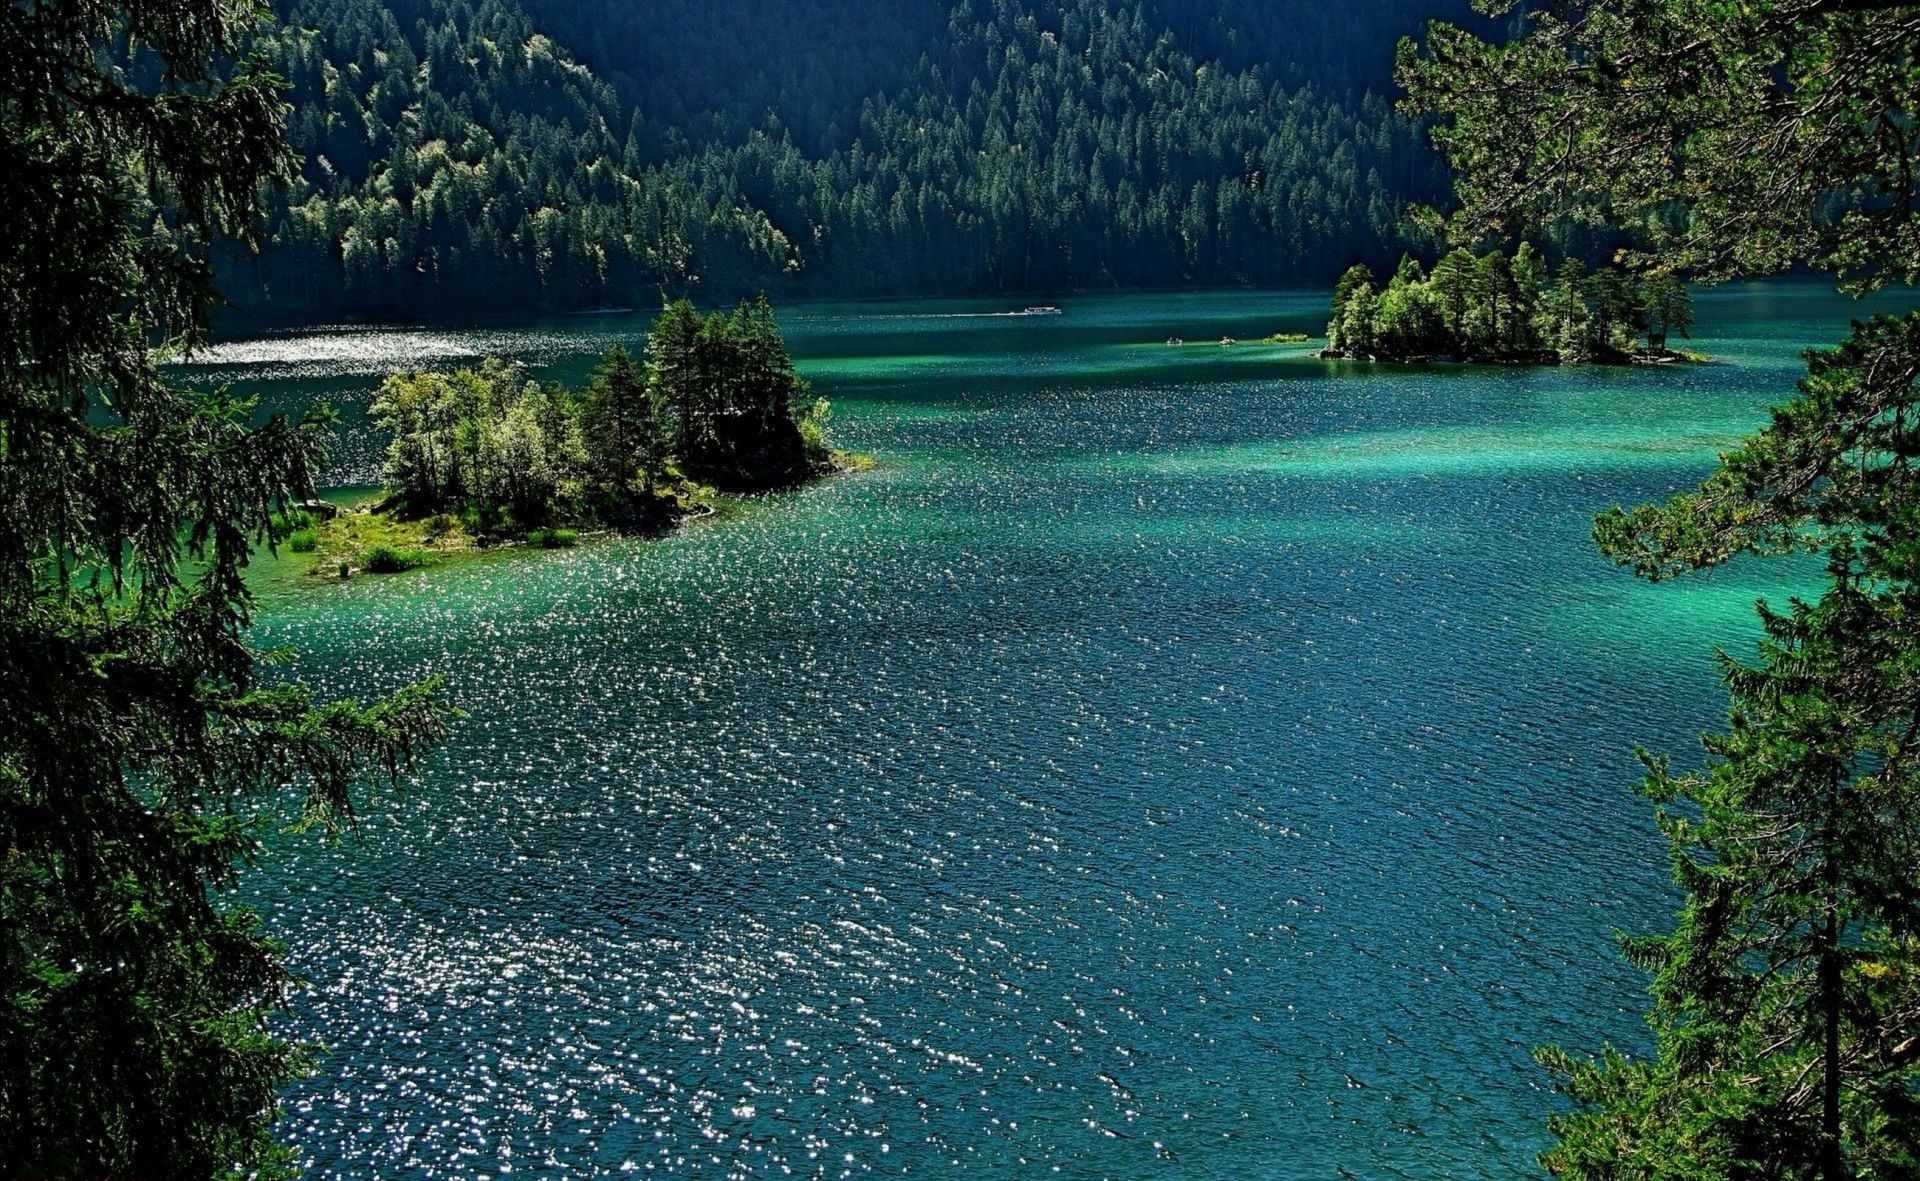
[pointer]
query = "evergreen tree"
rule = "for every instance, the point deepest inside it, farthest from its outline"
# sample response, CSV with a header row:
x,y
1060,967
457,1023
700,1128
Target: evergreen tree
x,y
740,395
1787,997
1565,319
1360,322
1530,291
1505,310
493,153
1453,284
673,374
1614,312
1490,318
1668,309
139,746
1408,320
768,370
621,427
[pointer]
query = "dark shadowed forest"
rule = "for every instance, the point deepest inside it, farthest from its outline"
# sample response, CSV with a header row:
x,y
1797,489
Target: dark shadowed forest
x,y
475,155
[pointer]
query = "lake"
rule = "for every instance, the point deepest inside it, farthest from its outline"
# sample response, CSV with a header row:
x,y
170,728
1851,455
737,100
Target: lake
x,y
1172,761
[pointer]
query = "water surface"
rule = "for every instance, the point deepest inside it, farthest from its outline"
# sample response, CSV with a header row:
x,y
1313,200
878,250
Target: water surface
x,y
1188,761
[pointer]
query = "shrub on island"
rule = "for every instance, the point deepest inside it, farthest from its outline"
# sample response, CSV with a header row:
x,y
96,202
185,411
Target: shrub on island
x,y
386,559
553,538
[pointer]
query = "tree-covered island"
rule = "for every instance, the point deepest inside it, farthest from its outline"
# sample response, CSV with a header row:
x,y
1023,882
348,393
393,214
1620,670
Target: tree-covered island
x,y
1500,308
485,455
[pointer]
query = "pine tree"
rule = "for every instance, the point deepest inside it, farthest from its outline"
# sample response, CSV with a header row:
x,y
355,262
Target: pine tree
x,y
1453,285
620,422
1565,319
1614,311
1787,996
1669,309
768,370
1530,290
139,746
1495,306
673,374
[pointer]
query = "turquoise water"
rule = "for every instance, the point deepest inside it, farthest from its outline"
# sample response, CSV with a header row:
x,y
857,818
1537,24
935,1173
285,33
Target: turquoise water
x,y
1168,761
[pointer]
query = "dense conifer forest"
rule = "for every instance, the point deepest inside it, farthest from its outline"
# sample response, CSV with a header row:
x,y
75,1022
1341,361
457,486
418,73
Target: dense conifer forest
x,y
473,155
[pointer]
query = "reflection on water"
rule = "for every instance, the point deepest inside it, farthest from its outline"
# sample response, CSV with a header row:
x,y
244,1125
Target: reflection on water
x,y
347,351
1163,764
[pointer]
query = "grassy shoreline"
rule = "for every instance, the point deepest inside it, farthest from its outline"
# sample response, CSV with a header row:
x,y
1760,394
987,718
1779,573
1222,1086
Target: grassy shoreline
x,y
363,539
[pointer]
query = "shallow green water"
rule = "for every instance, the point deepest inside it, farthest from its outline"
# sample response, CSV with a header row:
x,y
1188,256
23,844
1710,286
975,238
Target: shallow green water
x,y
1197,761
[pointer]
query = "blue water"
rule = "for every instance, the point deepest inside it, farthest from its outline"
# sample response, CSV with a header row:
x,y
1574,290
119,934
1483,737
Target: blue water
x,y
1173,762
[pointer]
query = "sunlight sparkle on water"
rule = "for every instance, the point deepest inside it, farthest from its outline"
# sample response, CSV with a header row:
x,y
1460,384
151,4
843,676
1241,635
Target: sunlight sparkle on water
x,y
1159,768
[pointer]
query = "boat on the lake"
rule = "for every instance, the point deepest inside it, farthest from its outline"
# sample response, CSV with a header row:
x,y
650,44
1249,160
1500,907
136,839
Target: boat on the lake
x,y
1044,309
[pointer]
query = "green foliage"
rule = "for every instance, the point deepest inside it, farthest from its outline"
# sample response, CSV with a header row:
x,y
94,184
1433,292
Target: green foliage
x,y
625,432
481,520
1667,309
715,398
729,386
1787,998
457,156
553,538
485,436
140,749
816,435
665,54
1727,139
1491,307
386,559
303,541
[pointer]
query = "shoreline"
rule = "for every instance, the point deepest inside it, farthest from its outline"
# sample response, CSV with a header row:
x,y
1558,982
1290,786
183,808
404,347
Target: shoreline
x,y
1541,361
363,539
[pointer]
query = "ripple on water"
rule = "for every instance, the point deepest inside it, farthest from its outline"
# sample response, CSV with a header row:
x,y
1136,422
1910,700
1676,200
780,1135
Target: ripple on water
x,y
358,351
1068,795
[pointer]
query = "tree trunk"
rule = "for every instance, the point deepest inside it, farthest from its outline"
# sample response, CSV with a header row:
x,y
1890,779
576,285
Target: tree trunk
x,y
1831,1168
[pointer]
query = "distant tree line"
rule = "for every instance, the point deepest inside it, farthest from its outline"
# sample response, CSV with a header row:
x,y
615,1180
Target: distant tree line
x,y
1496,307
663,55
716,399
453,154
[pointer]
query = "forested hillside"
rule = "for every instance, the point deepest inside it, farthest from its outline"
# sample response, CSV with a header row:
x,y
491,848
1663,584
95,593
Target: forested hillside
x,y
465,155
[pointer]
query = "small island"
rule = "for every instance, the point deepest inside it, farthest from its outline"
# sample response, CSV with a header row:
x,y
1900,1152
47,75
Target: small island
x,y
1501,309
486,456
